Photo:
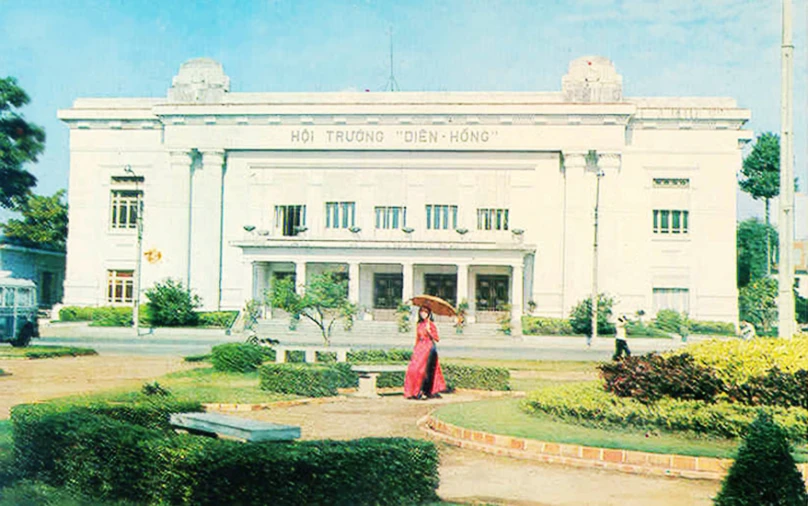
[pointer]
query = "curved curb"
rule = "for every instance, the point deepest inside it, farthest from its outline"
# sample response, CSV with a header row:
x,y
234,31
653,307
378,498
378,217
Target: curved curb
x,y
627,461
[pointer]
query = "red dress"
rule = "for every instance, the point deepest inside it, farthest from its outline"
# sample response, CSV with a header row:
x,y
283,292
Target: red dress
x,y
417,371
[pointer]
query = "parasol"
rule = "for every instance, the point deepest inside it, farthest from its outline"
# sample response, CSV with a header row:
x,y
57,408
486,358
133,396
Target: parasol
x,y
437,305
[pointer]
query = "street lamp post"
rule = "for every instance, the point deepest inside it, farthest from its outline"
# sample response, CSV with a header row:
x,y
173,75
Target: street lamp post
x,y
598,174
138,258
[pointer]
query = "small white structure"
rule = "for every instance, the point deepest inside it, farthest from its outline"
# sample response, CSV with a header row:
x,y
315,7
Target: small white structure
x,y
45,268
487,197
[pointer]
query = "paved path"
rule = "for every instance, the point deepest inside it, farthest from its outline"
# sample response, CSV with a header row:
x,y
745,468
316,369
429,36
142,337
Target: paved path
x,y
467,474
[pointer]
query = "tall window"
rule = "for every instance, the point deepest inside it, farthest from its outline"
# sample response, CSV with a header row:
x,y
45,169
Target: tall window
x,y
340,214
391,217
441,217
124,208
677,299
670,221
290,220
492,219
120,286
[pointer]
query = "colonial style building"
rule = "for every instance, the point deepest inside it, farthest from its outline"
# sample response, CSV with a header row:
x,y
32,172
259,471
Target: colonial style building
x,y
484,197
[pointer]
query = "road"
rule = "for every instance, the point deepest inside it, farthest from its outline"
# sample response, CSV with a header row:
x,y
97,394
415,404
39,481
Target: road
x,y
183,342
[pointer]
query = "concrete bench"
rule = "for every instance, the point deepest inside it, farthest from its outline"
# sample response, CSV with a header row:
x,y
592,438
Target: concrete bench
x,y
368,374
214,424
311,352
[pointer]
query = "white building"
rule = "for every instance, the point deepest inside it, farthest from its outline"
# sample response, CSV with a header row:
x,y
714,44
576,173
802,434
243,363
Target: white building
x,y
487,197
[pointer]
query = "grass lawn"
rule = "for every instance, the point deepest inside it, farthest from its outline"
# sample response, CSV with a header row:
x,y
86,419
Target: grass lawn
x,y
7,352
503,416
204,385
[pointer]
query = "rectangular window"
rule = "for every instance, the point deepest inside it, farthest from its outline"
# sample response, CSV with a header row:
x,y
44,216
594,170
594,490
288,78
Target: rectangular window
x,y
291,219
677,299
441,217
124,208
340,214
671,221
492,219
388,217
120,286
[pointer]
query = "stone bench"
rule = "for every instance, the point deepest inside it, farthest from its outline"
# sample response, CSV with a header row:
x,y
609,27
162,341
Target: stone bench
x,y
368,374
311,352
214,424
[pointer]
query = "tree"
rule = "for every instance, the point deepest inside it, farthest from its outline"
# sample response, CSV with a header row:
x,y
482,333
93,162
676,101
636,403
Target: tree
x,y
581,316
752,250
43,224
324,301
764,473
20,142
757,304
761,176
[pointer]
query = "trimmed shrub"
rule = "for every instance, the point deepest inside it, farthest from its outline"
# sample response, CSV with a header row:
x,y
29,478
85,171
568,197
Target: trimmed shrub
x,y
544,326
475,377
371,471
104,316
639,329
108,459
172,305
776,388
206,357
308,380
588,404
48,352
764,472
218,319
650,377
391,380
712,328
736,361
379,356
239,357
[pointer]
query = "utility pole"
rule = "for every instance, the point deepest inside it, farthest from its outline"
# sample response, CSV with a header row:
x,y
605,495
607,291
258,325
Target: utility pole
x,y
138,259
598,174
785,300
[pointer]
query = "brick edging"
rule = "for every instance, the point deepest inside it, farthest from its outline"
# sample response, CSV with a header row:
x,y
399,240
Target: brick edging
x,y
628,461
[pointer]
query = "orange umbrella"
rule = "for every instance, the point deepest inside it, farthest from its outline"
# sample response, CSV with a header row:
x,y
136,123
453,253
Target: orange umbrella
x,y
435,304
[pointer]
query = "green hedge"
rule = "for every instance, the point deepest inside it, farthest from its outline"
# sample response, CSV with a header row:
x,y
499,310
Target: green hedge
x,y
476,377
589,404
218,319
379,356
239,357
40,430
104,316
712,328
309,380
544,326
109,459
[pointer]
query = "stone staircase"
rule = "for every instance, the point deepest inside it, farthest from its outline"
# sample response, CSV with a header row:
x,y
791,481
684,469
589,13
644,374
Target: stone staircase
x,y
381,331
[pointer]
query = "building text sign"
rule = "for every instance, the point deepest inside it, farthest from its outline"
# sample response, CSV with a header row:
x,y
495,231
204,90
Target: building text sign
x,y
392,137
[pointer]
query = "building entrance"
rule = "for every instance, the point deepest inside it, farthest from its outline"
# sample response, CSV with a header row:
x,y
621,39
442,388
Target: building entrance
x,y
492,292
442,285
387,290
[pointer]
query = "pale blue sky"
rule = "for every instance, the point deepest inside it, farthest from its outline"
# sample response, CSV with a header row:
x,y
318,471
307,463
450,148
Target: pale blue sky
x,y
61,50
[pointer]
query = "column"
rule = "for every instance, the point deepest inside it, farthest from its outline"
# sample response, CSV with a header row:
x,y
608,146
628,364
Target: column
x,y
248,290
407,281
579,201
173,197
300,276
517,292
462,282
353,282
206,227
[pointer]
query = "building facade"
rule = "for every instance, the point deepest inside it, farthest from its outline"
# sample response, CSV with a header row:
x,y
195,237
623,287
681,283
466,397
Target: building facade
x,y
483,197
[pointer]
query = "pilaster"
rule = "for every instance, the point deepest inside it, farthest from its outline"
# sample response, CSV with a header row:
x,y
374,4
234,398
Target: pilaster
x,y
206,227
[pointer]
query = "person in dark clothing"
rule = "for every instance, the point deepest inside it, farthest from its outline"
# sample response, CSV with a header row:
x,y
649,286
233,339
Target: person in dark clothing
x,y
620,344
